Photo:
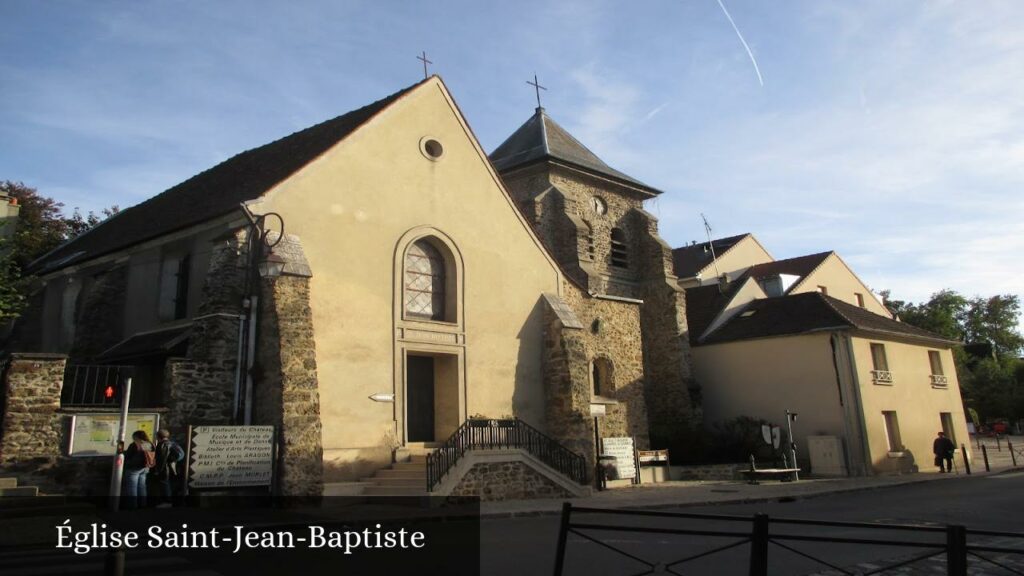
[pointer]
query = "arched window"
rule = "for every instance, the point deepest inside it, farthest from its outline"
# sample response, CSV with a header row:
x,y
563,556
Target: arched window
x,y
620,254
588,239
603,377
425,279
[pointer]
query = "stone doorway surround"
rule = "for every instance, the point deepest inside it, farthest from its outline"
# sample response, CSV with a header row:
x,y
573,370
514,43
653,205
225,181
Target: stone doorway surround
x,y
449,391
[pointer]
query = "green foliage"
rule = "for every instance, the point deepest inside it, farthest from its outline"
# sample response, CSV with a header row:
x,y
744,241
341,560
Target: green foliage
x,y
40,227
993,387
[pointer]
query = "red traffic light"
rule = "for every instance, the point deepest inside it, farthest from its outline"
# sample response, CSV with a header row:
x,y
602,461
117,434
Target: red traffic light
x,y
109,392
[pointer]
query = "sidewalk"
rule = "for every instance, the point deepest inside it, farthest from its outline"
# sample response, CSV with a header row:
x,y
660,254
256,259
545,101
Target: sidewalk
x,y
698,493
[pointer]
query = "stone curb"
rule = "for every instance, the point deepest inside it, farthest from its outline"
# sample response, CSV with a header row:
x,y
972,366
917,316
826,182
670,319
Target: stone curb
x,y
741,500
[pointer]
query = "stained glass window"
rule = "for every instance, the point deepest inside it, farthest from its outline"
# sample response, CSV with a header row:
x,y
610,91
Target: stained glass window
x,y
424,282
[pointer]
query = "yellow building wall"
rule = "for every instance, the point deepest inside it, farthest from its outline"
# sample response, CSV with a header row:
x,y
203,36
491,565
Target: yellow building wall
x,y
352,209
915,400
764,378
744,254
748,292
842,284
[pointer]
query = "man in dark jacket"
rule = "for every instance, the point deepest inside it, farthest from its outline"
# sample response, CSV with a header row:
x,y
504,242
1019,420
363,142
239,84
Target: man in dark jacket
x,y
168,455
944,449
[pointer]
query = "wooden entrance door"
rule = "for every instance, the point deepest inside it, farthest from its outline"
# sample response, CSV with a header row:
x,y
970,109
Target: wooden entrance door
x,y
419,405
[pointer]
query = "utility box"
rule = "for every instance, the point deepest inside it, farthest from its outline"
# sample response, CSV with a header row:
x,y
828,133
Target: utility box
x,y
827,456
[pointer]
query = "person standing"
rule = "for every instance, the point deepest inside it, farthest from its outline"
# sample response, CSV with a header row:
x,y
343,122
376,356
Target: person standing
x,y
168,455
944,449
139,458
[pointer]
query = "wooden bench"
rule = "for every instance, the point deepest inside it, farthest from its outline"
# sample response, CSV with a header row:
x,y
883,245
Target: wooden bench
x,y
781,474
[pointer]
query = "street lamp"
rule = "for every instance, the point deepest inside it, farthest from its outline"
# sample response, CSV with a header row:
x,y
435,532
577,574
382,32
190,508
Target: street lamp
x,y
790,417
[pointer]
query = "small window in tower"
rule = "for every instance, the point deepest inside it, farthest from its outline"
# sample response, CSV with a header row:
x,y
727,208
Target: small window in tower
x,y
620,253
589,240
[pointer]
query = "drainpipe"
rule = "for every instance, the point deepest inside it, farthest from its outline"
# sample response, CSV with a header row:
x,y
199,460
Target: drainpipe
x,y
238,369
858,412
251,360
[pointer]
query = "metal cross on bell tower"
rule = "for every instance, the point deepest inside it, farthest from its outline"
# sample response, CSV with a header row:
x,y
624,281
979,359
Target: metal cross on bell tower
x,y
537,88
423,58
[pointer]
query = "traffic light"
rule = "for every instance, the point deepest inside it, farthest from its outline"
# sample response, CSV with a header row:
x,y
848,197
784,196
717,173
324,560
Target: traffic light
x,y
108,393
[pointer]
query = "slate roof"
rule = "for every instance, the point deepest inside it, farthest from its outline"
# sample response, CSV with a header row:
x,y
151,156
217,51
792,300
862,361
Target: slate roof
x,y
688,260
541,138
799,266
214,192
703,303
810,312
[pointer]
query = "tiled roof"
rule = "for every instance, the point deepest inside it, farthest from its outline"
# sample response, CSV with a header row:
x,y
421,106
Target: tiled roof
x,y
799,266
688,260
541,138
703,304
212,193
809,312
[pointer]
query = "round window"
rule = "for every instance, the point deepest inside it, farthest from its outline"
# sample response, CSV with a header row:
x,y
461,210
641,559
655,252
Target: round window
x,y
431,148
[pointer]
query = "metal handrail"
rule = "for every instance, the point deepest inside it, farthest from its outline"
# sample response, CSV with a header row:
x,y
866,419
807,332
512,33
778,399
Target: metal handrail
x,y
498,434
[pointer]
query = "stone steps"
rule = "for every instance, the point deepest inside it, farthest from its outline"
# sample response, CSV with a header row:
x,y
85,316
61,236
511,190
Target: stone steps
x,y
404,478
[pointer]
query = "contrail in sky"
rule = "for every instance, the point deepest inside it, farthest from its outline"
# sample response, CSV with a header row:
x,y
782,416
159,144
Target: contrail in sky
x,y
749,53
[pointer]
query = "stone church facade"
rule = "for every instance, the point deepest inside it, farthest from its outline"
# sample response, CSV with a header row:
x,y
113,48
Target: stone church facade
x,y
425,286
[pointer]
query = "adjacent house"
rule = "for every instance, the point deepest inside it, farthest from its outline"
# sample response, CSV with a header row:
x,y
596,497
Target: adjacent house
x,y
805,335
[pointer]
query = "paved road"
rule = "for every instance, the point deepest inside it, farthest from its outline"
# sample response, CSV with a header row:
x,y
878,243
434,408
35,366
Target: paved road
x,y
527,545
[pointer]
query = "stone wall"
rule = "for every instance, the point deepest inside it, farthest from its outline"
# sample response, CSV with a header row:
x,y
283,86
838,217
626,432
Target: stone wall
x,y
200,389
708,472
100,313
648,344
286,392
32,427
507,481
667,358
612,331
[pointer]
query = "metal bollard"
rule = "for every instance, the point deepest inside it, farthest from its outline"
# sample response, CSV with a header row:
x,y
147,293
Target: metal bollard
x,y
967,464
999,443
1013,455
984,452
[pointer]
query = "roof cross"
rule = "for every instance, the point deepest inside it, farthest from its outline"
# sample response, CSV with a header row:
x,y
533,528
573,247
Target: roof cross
x,y
425,62
537,87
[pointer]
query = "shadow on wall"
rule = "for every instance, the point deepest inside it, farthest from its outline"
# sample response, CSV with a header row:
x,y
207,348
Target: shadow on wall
x,y
528,395
904,463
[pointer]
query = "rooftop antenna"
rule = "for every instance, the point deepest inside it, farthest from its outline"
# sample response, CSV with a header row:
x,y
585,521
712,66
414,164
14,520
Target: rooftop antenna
x,y
537,88
711,246
425,62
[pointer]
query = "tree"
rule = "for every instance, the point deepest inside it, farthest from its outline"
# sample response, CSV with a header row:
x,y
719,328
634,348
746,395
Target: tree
x,y
991,385
994,320
40,227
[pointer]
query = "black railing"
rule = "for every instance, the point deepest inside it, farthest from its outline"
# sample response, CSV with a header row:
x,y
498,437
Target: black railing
x,y
947,542
89,385
504,434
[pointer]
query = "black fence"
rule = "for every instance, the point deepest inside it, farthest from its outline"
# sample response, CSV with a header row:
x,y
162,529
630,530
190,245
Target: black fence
x,y
760,533
507,433
91,385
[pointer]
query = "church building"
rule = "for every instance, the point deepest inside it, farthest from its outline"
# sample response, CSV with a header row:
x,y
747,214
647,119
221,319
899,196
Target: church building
x,y
425,291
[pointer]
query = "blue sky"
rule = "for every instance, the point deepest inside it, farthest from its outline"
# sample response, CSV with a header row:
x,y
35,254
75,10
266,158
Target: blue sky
x,y
891,132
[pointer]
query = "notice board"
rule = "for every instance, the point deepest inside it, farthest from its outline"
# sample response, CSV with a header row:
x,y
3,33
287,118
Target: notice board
x,y
622,449
231,456
95,434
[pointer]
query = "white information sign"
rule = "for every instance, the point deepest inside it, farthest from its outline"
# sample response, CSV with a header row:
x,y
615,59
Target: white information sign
x,y
95,434
622,450
231,456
